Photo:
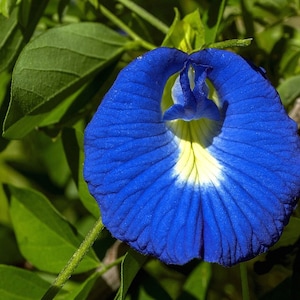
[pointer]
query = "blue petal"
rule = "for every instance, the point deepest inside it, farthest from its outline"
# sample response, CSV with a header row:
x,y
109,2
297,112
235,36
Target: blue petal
x,y
218,190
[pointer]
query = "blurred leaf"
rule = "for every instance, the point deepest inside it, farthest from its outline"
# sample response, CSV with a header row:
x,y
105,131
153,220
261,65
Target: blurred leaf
x,y
289,90
289,64
186,34
73,145
62,5
16,283
5,79
149,288
197,282
212,18
290,234
130,266
144,14
282,291
80,291
44,237
55,65
9,253
6,7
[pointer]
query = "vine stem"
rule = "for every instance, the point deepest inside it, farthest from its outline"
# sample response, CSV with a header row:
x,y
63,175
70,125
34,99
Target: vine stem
x,y
74,261
244,280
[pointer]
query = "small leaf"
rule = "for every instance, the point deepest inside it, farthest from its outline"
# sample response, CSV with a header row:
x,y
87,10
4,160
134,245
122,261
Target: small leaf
x,y
44,237
6,7
52,67
289,90
80,291
16,283
12,36
9,252
212,19
186,34
73,145
130,266
196,284
11,39
290,234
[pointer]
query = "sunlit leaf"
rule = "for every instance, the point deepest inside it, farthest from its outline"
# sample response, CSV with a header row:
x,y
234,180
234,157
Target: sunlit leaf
x,y
186,34
6,7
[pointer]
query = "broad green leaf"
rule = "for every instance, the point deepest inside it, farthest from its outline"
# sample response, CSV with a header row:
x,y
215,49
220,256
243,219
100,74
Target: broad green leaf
x,y
73,145
186,34
130,266
289,90
44,237
55,65
19,284
197,283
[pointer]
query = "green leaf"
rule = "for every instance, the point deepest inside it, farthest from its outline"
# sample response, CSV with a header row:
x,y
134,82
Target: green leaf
x,y
19,284
145,15
196,284
80,291
6,7
212,18
186,34
130,266
290,234
55,65
13,36
9,253
44,237
11,39
73,145
289,90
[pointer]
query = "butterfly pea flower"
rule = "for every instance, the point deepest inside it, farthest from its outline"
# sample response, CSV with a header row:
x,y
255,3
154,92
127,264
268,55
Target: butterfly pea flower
x,y
201,176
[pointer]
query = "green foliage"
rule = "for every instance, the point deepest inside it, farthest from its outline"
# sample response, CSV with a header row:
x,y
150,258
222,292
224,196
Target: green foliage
x,y
57,60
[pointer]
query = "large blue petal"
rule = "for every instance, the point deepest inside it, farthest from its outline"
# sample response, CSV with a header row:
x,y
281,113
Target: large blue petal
x,y
259,149
141,169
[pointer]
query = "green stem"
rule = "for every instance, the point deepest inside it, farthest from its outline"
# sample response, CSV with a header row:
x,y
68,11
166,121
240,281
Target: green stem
x,y
105,268
146,16
74,261
244,280
125,28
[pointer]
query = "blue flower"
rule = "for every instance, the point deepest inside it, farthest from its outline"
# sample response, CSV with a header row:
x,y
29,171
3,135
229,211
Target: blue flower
x,y
212,175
